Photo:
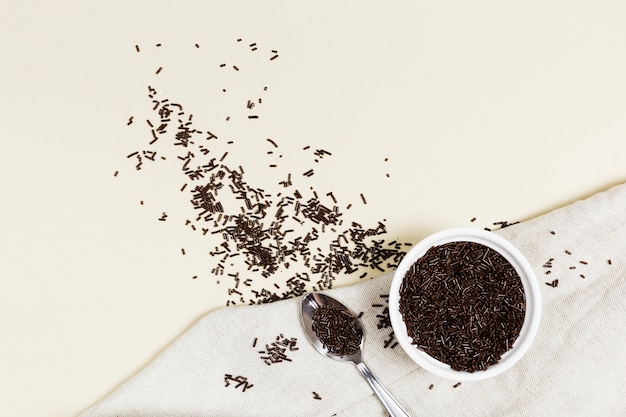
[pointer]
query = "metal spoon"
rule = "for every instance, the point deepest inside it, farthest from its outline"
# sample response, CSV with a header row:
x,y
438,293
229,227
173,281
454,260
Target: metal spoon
x,y
313,301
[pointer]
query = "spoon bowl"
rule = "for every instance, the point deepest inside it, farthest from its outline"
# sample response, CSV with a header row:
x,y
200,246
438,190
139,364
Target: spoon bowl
x,y
310,304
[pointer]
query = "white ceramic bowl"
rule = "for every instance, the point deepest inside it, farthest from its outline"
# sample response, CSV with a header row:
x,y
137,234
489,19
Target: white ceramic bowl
x,y
531,293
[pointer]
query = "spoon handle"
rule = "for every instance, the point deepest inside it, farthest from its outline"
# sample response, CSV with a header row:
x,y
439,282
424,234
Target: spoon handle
x,y
393,408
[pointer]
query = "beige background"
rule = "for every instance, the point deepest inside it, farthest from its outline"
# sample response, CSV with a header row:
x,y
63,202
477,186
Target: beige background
x,y
486,109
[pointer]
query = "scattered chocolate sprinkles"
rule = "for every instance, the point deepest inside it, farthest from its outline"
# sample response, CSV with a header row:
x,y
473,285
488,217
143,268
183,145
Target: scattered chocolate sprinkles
x,y
458,384
159,70
276,352
292,241
553,284
384,321
237,382
504,223
463,304
500,225
337,329
316,396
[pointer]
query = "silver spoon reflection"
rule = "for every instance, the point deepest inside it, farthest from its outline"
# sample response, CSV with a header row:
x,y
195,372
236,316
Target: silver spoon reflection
x,y
310,303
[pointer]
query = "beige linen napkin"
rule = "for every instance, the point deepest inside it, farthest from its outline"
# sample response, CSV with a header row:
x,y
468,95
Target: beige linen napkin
x,y
256,361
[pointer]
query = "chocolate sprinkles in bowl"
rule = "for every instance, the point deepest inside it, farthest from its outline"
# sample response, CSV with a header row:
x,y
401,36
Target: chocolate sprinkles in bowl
x,y
464,304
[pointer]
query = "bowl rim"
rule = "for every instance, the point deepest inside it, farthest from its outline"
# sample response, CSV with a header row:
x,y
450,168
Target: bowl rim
x,y
531,293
